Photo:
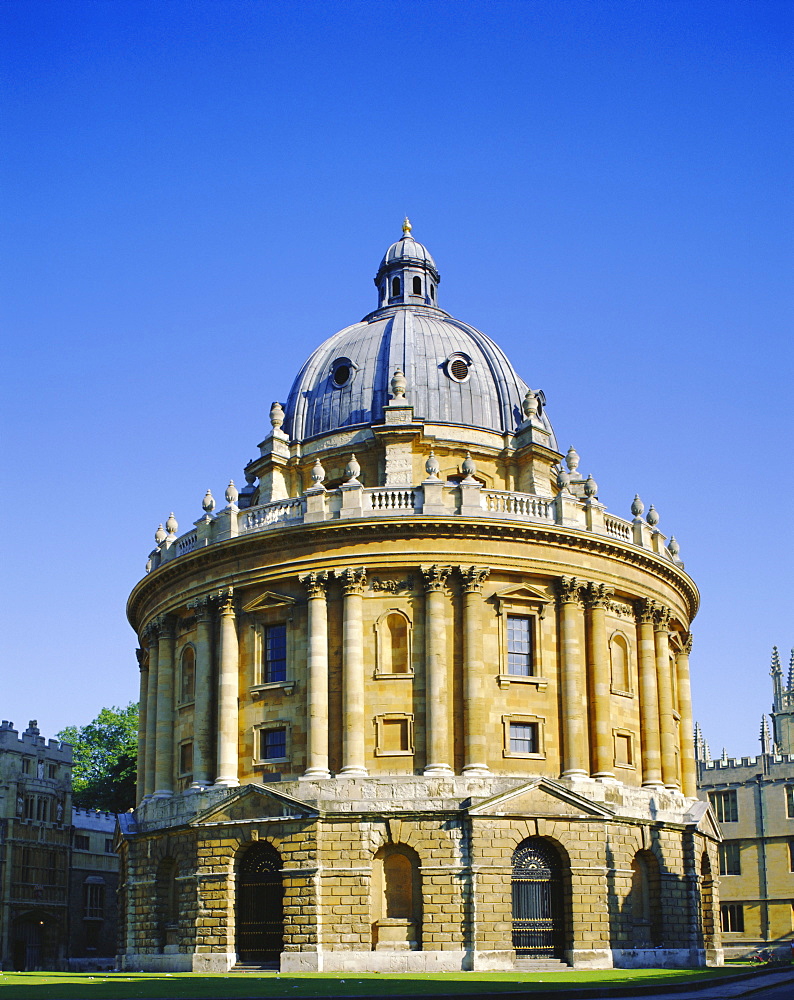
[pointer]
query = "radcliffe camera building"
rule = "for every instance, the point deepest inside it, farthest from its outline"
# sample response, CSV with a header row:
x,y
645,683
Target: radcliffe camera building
x,y
413,699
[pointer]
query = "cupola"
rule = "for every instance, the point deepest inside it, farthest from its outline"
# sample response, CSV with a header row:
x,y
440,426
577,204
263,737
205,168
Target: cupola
x,y
407,274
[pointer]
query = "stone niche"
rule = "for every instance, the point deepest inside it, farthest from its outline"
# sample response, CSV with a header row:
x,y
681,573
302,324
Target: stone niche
x,y
396,899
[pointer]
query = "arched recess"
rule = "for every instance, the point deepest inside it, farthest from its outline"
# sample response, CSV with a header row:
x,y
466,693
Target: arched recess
x,y
393,644
708,926
187,676
259,905
646,908
36,941
166,892
396,904
620,663
539,889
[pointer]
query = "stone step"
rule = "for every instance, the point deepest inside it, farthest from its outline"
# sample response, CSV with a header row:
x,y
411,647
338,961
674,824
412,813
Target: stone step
x,y
255,967
541,965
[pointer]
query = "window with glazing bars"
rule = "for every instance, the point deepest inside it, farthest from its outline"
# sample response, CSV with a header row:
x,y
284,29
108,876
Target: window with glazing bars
x,y
523,737
725,806
519,646
275,665
732,917
274,744
730,858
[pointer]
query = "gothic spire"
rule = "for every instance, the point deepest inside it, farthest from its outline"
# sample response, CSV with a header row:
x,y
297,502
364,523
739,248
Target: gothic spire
x,y
766,739
791,673
776,673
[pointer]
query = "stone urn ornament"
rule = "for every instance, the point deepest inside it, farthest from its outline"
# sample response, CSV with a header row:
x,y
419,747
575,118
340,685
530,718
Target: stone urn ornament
x,y
637,506
652,517
160,535
398,385
232,493
208,503
352,470
432,466
590,487
468,468
171,525
572,460
563,479
277,415
318,473
530,404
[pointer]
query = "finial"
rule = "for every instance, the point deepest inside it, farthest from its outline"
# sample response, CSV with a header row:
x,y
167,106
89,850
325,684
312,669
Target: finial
x,y
432,467
590,487
563,479
318,472
530,404
208,503
352,470
276,415
791,673
232,493
776,669
766,739
407,227
468,468
652,517
572,460
160,535
673,547
171,525
398,384
637,506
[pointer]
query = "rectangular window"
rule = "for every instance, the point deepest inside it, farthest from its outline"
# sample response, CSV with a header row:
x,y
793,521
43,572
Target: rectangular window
x,y
273,744
732,918
519,646
725,806
523,737
53,770
109,845
730,857
275,654
186,758
26,765
790,801
82,842
94,902
791,856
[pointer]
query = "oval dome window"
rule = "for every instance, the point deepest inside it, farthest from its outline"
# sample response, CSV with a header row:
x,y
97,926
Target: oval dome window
x,y
341,373
458,367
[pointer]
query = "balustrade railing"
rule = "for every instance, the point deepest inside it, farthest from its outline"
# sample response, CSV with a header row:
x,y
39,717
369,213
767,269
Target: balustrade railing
x,y
618,528
389,499
186,543
525,506
276,512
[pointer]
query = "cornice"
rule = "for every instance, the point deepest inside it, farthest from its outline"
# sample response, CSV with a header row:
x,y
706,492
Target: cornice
x,y
328,533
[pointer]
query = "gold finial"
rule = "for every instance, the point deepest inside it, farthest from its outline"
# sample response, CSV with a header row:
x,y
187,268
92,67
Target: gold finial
x,y
407,227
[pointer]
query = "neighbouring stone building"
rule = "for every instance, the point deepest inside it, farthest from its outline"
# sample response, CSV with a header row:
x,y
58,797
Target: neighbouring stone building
x,y
93,888
753,801
35,835
413,699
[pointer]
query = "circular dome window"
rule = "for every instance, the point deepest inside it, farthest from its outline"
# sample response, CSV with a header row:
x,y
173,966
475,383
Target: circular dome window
x,y
458,366
341,372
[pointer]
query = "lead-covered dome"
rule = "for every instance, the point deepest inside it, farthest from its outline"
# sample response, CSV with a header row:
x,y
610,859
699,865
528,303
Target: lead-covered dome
x,y
455,373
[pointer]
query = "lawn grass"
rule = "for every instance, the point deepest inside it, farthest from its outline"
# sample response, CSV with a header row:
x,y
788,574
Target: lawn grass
x,y
139,985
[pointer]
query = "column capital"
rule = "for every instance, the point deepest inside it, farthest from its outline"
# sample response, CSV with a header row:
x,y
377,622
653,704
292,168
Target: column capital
x,y
597,595
165,625
315,583
225,601
202,606
473,578
435,577
661,618
143,660
353,579
569,590
686,642
644,611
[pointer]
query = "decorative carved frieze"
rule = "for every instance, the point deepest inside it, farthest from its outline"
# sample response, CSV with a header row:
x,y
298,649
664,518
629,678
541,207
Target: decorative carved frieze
x,y
597,595
391,586
353,579
435,577
315,583
621,610
473,578
569,590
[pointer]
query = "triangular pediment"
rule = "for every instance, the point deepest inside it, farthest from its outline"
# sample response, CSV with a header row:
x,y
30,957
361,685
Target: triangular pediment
x,y
522,594
542,797
701,816
267,600
252,803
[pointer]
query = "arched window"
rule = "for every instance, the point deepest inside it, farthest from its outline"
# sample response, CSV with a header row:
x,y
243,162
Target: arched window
x,y
645,900
433,292
621,663
396,899
707,914
395,287
417,285
187,688
393,643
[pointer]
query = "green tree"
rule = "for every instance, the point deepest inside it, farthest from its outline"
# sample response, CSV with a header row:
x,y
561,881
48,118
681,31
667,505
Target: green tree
x,y
105,753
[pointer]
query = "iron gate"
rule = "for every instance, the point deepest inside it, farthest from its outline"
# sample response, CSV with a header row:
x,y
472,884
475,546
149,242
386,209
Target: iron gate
x,y
538,928
260,905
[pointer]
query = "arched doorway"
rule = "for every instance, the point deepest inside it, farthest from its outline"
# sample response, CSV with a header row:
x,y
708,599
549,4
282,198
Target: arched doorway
x,y
259,916
538,905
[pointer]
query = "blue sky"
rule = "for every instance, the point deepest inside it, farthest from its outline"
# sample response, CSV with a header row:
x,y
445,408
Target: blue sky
x,y
196,194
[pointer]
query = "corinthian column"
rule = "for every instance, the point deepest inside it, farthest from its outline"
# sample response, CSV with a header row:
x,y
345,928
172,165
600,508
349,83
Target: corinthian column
x,y
474,697
688,764
317,700
573,678
202,707
228,684
602,750
164,755
650,739
152,633
353,747
437,691
140,778
664,682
